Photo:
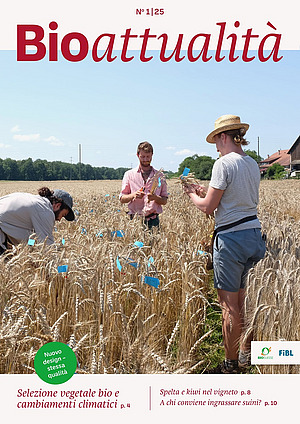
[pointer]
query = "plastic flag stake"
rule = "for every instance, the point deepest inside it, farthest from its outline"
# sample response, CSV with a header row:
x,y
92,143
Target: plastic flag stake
x,y
118,233
62,268
151,260
151,281
31,242
185,172
118,264
138,244
132,263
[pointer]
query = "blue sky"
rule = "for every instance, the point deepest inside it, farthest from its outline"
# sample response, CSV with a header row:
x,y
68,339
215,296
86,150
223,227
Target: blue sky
x,y
47,109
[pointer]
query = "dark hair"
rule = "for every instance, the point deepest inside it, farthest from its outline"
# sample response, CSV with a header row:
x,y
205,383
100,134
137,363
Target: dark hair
x,y
145,146
46,192
238,136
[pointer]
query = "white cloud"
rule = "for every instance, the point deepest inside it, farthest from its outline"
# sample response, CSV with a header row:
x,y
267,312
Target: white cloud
x,y
15,129
170,148
27,137
4,146
54,141
185,152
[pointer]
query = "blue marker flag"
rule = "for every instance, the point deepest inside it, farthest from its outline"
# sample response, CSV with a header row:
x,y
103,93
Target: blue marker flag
x,y
117,233
151,281
99,234
185,172
132,263
63,241
151,260
62,268
138,243
159,182
31,242
83,231
118,264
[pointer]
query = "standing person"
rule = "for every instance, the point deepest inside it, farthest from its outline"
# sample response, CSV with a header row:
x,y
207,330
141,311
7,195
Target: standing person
x,y
136,186
21,214
238,244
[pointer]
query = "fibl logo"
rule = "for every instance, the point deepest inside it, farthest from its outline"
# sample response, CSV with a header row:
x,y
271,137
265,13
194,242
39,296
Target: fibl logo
x,y
286,352
265,353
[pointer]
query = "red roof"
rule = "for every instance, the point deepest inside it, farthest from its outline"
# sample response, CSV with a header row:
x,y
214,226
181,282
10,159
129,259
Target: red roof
x,y
282,157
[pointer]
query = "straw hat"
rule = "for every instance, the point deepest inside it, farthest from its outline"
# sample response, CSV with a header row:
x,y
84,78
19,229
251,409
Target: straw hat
x,y
226,123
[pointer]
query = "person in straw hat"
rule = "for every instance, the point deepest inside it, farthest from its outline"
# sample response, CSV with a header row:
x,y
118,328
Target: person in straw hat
x,y
238,244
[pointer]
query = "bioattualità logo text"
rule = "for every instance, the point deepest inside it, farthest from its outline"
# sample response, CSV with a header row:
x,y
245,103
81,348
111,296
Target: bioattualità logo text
x,y
33,43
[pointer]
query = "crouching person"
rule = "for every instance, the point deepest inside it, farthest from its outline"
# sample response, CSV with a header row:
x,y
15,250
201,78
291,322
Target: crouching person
x,y
22,214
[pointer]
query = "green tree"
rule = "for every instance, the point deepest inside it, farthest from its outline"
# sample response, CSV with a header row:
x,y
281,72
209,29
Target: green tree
x,y
27,170
201,166
275,172
11,169
253,154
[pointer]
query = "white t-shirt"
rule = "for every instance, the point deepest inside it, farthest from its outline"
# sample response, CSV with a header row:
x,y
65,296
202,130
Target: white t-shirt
x,y
239,177
21,214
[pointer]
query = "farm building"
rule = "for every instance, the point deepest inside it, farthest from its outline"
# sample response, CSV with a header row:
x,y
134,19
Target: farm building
x,y
282,157
294,153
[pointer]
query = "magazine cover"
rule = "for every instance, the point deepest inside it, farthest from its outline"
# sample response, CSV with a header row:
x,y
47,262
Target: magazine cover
x,y
141,279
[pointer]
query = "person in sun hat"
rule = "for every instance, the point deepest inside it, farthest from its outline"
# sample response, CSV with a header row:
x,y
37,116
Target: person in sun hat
x,y
232,196
22,214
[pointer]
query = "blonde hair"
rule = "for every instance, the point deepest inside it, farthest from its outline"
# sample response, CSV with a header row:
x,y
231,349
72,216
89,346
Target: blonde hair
x,y
238,136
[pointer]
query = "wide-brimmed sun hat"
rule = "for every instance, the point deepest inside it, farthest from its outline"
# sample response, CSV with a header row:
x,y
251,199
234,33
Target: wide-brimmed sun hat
x,y
68,201
226,123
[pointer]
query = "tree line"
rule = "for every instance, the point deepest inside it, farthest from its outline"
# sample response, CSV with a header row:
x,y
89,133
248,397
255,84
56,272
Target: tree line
x,y
42,170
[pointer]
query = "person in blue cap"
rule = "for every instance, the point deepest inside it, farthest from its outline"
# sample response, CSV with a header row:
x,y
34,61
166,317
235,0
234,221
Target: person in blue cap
x,y
22,214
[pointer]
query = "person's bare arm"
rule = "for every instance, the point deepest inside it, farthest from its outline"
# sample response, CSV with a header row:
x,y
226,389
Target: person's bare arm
x,y
126,198
208,203
160,200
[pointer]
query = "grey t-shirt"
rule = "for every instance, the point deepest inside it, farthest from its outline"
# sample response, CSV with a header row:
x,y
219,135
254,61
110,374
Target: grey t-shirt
x,y
21,214
239,176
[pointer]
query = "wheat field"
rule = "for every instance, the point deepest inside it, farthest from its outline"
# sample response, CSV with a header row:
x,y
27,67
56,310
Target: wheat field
x,y
102,308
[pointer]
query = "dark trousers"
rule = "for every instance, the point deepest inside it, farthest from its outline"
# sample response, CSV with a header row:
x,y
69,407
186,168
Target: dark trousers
x,y
150,223
5,244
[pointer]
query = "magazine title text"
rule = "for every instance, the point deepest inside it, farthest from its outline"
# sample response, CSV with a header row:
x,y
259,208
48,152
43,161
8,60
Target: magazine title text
x,y
32,45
